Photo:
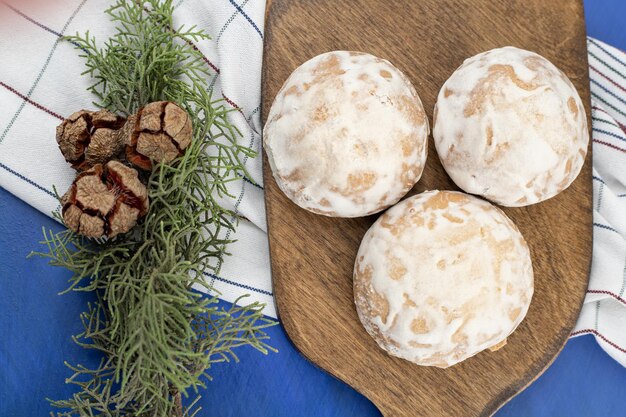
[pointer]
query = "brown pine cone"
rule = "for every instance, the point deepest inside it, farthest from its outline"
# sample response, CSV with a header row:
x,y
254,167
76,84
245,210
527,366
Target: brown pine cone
x,y
160,132
87,138
105,200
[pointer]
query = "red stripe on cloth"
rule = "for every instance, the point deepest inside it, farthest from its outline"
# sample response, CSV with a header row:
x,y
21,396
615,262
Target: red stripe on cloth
x,y
209,63
607,78
601,336
229,101
610,145
612,294
26,99
232,103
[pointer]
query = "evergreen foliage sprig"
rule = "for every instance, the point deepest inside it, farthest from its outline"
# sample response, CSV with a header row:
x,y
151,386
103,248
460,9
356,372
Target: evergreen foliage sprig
x,y
158,335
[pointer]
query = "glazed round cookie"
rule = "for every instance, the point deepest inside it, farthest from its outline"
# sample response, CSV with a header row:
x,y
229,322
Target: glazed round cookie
x,y
510,126
346,135
442,276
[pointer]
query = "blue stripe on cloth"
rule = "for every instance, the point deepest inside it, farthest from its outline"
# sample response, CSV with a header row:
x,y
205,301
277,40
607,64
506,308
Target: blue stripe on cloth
x,y
602,181
243,183
604,132
604,226
236,6
31,182
236,284
604,64
608,122
600,191
241,193
596,44
597,97
228,22
609,92
252,183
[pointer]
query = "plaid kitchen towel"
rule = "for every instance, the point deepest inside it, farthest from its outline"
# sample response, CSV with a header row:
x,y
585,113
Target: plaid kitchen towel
x,y
40,84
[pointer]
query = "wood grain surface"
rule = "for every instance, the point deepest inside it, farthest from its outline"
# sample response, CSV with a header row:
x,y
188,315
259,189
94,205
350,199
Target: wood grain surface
x,y
313,256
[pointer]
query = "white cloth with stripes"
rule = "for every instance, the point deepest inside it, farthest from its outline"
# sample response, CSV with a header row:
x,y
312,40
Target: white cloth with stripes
x,y
604,310
40,83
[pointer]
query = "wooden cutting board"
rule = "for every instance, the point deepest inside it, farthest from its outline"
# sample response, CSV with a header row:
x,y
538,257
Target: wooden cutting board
x,y
313,256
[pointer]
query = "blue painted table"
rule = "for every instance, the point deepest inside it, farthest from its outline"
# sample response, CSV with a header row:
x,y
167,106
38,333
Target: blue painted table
x,y
36,324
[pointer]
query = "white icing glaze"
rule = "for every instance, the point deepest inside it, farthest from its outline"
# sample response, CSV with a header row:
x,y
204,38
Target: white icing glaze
x,y
511,127
442,276
346,135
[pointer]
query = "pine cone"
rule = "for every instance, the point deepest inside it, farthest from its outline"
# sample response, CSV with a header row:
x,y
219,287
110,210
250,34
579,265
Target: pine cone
x,y
88,138
160,132
105,200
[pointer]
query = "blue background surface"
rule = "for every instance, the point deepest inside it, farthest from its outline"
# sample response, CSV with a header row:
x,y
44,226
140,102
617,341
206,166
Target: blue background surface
x,y
36,324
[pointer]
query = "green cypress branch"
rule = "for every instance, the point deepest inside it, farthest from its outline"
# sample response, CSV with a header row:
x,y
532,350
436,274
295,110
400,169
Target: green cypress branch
x,y
159,336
